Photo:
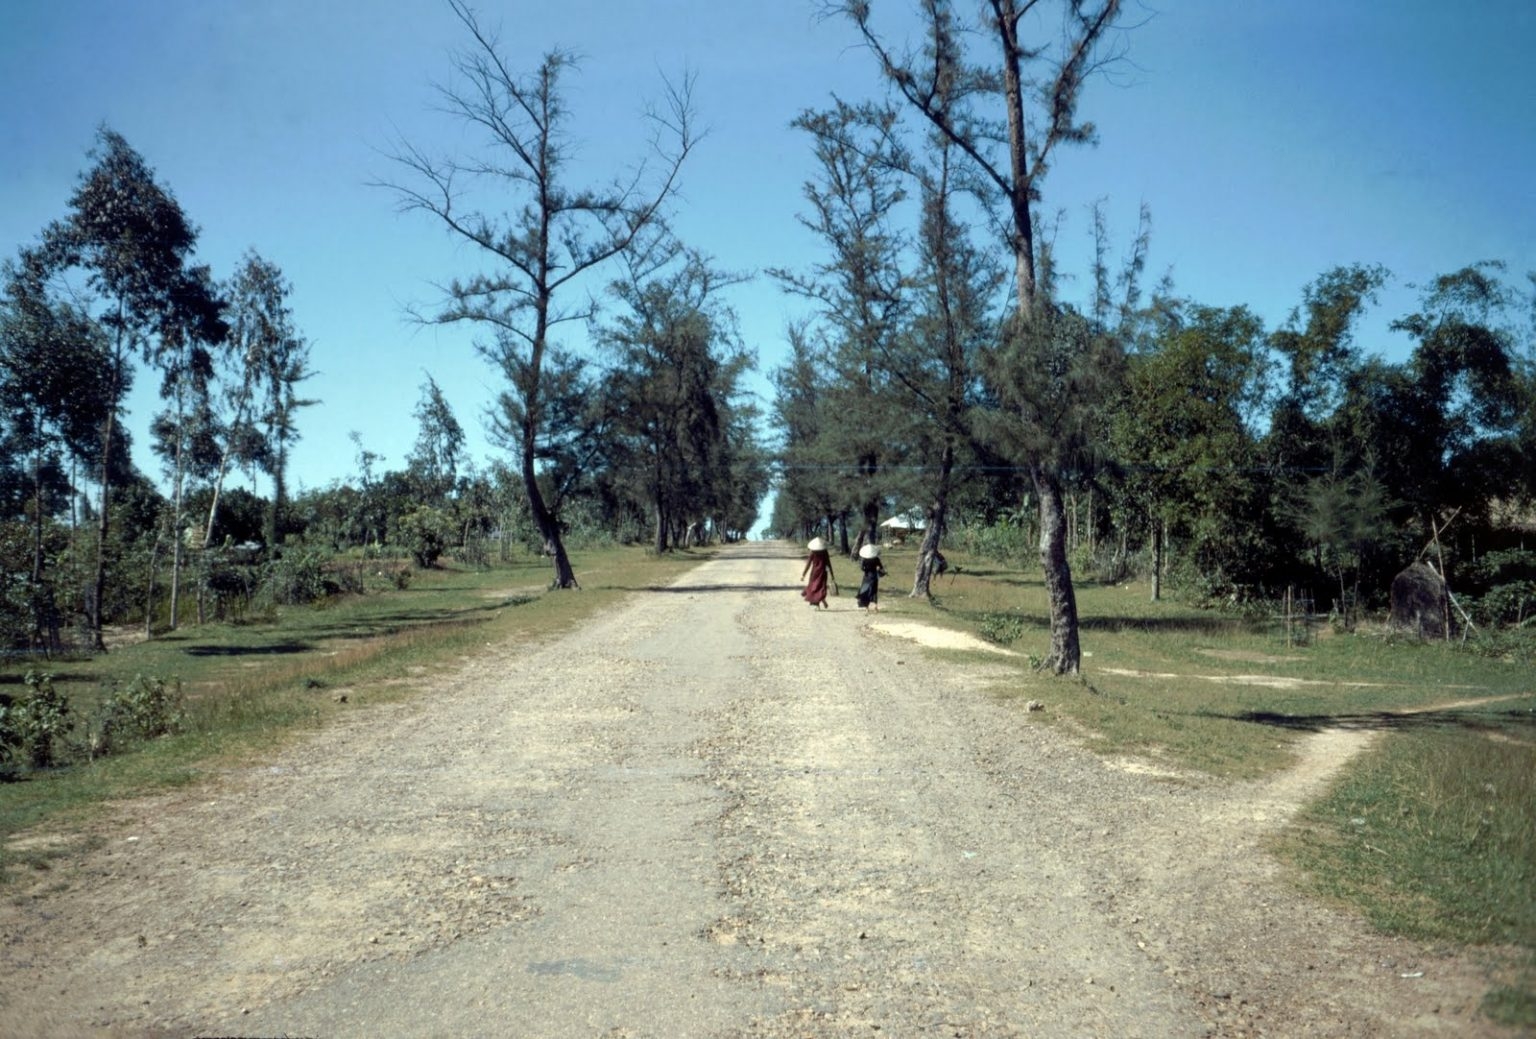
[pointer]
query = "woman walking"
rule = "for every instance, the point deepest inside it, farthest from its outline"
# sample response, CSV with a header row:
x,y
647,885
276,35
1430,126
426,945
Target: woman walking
x,y
819,565
869,590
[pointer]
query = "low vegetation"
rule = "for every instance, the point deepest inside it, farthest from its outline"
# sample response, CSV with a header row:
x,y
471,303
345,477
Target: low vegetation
x,y
157,713
1431,834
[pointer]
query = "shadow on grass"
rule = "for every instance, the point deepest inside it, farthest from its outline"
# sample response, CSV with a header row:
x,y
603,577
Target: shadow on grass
x,y
397,621
270,649
58,676
1452,718
1012,578
1187,625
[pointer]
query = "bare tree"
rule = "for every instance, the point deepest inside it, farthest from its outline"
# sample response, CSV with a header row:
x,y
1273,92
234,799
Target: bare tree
x,y
1007,116
540,250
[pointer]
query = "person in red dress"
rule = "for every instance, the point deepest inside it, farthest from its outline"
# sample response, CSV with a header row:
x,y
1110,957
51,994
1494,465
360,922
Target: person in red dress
x,y
818,564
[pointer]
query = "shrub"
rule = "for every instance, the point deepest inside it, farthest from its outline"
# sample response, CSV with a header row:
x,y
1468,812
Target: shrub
x,y
1002,542
1001,628
425,531
33,729
141,710
347,577
1105,563
298,577
475,553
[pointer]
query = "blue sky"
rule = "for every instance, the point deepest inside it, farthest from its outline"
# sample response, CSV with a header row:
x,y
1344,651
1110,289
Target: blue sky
x,y
1271,140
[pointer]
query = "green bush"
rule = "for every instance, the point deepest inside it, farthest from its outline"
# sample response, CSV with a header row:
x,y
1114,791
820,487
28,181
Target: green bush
x,y
1002,628
141,710
1513,603
425,531
294,579
347,576
475,553
34,730
1007,543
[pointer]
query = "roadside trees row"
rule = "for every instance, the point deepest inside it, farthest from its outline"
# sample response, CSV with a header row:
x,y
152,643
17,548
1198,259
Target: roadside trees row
x,y
106,288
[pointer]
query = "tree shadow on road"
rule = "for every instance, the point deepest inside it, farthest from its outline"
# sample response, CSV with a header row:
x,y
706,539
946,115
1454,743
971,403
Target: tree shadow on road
x,y
688,589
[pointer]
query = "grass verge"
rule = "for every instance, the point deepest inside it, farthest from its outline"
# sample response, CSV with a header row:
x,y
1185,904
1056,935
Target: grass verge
x,y
1431,835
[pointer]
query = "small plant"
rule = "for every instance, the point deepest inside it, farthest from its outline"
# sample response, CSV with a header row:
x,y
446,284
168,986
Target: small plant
x,y
142,709
31,729
1002,628
476,553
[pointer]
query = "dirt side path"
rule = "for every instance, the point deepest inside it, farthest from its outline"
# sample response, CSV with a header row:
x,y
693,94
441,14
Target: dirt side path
x,y
714,812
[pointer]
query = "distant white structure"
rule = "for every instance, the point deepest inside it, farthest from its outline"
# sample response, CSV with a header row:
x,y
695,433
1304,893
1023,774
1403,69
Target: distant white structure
x,y
898,527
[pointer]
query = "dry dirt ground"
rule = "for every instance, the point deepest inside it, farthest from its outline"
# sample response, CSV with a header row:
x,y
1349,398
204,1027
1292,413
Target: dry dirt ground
x,y
712,812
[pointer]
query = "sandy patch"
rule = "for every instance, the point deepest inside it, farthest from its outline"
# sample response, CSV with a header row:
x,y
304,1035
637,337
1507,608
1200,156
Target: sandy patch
x,y
936,638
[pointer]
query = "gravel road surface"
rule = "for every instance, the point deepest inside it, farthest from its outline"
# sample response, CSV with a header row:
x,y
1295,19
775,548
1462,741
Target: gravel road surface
x,y
711,812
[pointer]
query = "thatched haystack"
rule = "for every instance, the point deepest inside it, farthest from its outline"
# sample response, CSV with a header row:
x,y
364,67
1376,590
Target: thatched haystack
x,y
1420,602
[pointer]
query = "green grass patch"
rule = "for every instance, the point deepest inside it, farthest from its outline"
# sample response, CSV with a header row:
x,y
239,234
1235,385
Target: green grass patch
x,y
1433,832
249,686
1196,689
1431,835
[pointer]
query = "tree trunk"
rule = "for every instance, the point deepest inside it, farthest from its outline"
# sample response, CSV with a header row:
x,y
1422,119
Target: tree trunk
x,y
175,521
149,589
870,534
175,571
1157,561
922,581
41,602
548,527
279,494
99,583
1066,653
661,528
1021,176
218,490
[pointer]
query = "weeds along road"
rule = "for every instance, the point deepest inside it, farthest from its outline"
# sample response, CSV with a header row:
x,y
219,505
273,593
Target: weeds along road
x,y
713,812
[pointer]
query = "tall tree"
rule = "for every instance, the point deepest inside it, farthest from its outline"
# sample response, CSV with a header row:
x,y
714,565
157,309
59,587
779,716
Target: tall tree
x,y
540,251
183,433
132,240
807,495
1183,433
935,360
860,289
1008,115
1457,406
434,460
675,369
284,365
262,336
52,402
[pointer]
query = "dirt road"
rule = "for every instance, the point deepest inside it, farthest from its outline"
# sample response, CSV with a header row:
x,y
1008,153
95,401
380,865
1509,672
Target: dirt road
x,y
714,812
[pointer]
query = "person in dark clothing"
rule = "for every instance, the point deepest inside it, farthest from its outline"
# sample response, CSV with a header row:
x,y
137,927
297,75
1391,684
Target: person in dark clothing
x,y
818,564
869,589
